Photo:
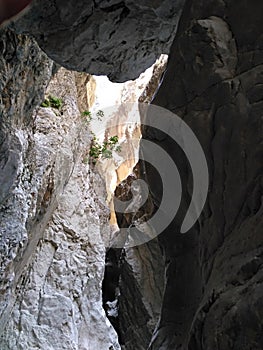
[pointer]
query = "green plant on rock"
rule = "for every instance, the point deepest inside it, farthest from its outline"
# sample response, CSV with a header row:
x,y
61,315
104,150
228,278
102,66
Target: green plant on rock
x,y
100,115
52,101
95,150
114,140
105,150
118,149
45,103
87,116
55,102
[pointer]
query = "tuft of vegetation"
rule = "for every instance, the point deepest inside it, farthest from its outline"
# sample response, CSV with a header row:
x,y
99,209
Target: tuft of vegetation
x,y
105,150
97,150
87,115
52,101
100,115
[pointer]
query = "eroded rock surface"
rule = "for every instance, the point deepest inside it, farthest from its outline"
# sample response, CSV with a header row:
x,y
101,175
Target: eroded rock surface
x,y
53,214
25,73
213,275
115,38
134,280
213,294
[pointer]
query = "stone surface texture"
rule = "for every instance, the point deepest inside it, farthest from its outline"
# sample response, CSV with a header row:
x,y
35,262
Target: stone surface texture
x,y
134,277
115,38
53,215
25,72
213,274
204,288
213,81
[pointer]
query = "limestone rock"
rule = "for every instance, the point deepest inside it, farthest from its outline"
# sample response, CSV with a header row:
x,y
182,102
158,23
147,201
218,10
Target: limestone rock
x,y
115,38
25,72
213,273
212,296
134,277
53,221
86,88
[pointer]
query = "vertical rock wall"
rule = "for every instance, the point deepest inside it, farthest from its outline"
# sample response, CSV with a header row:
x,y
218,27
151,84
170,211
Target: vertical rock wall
x,y
134,278
25,73
53,213
213,275
213,294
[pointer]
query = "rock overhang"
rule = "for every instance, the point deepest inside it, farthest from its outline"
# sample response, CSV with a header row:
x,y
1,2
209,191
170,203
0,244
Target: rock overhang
x,y
119,39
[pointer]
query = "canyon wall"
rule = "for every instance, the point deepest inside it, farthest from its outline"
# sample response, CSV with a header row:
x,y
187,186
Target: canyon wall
x,y
119,39
213,289
213,274
200,290
53,210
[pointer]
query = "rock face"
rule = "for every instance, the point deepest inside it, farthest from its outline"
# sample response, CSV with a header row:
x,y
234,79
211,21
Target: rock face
x,y
205,287
115,38
213,274
25,72
213,81
53,214
131,287
141,279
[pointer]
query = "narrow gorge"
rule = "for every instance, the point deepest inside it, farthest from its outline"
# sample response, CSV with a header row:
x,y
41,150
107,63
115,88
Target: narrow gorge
x,y
76,272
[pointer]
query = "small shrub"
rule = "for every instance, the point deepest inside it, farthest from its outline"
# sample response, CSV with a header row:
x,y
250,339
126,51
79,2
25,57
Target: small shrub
x,y
95,150
45,104
114,140
87,116
118,149
106,153
105,150
55,102
52,101
100,115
